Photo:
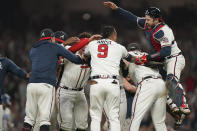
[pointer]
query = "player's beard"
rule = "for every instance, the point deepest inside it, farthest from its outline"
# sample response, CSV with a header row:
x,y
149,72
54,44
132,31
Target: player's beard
x,y
150,26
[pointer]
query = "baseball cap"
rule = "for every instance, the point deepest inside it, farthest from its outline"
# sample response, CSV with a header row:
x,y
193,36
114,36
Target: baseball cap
x,y
46,34
60,36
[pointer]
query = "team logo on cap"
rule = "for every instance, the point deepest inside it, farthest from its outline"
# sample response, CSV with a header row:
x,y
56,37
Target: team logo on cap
x,y
42,34
62,37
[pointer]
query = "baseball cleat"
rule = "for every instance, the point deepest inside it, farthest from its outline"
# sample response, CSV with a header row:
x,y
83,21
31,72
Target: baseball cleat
x,y
179,121
186,111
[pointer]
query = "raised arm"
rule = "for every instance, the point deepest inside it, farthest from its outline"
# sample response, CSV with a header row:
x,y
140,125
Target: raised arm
x,y
126,14
83,42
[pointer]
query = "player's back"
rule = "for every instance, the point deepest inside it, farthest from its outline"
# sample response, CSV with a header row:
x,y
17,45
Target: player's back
x,y
138,72
105,57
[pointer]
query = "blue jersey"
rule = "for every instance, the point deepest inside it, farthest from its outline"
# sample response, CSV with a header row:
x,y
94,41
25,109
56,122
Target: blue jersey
x,y
44,58
6,65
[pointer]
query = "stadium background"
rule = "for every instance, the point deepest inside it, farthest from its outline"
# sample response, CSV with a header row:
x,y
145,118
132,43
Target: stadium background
x,y
21,21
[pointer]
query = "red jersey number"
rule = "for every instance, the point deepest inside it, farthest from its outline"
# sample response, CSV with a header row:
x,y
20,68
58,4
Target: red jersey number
x,y
103,50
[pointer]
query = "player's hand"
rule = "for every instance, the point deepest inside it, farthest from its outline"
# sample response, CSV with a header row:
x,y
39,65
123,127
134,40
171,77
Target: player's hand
x,y
71,40
141,60
28,75
111,5
95,37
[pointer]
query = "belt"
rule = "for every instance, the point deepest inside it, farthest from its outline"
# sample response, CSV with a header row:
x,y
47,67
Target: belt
x,y
104,77
148,77
171,56
72,89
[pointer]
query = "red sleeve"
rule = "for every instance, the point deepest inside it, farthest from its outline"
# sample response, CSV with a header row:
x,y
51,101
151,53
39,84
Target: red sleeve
x,y
82,43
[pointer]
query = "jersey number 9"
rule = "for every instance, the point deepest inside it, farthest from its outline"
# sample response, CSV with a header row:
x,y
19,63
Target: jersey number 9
x,y
103,50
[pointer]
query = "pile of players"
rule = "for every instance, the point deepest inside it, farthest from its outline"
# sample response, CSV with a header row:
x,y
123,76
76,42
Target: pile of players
x,y
62,68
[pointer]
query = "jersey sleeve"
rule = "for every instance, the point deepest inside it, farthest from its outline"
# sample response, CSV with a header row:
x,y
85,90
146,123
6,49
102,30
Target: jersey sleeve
x,y
141,21
124,52
61,51
82,43
87,50
13,68
165,37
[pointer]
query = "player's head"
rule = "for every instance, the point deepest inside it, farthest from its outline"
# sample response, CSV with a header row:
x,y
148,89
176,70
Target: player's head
x,y
153,16
84,35
109,32
133,47
60,36
46,34
6,100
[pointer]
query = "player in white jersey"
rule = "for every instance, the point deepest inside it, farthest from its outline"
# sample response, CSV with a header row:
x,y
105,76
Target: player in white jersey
x,y
105,60
71,100
164,46
151,94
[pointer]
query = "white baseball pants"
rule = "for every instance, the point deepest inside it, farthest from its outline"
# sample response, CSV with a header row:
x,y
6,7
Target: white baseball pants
x,y
175,65
123,108
72,109
105,92
40,98
151,94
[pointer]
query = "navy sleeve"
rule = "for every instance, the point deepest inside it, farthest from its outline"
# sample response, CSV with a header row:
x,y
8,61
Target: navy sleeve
x,y
128,15
165,51
129,58
141,22
13,68
68,55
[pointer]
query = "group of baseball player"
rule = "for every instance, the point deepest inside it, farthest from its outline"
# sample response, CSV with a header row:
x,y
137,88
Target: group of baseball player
x,y
62,67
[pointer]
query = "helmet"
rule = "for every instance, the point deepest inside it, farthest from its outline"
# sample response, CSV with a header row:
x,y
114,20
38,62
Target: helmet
x,y
153,12
60,36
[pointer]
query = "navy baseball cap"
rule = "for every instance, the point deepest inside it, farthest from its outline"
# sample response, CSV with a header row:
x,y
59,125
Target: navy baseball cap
x,y
46,34
60,36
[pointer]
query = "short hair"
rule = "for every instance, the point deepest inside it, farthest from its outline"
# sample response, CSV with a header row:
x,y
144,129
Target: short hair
x,y
84,35
107,31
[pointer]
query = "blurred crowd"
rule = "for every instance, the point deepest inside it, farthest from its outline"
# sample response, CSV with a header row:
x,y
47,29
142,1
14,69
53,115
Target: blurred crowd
x,y
16,42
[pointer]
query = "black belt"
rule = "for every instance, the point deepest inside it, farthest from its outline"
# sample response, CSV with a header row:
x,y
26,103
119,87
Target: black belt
x,y
168,57
104,77
73,89
148,77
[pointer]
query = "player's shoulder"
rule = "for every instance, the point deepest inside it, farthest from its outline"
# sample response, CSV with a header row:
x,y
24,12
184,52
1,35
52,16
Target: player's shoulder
x,y
165,30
